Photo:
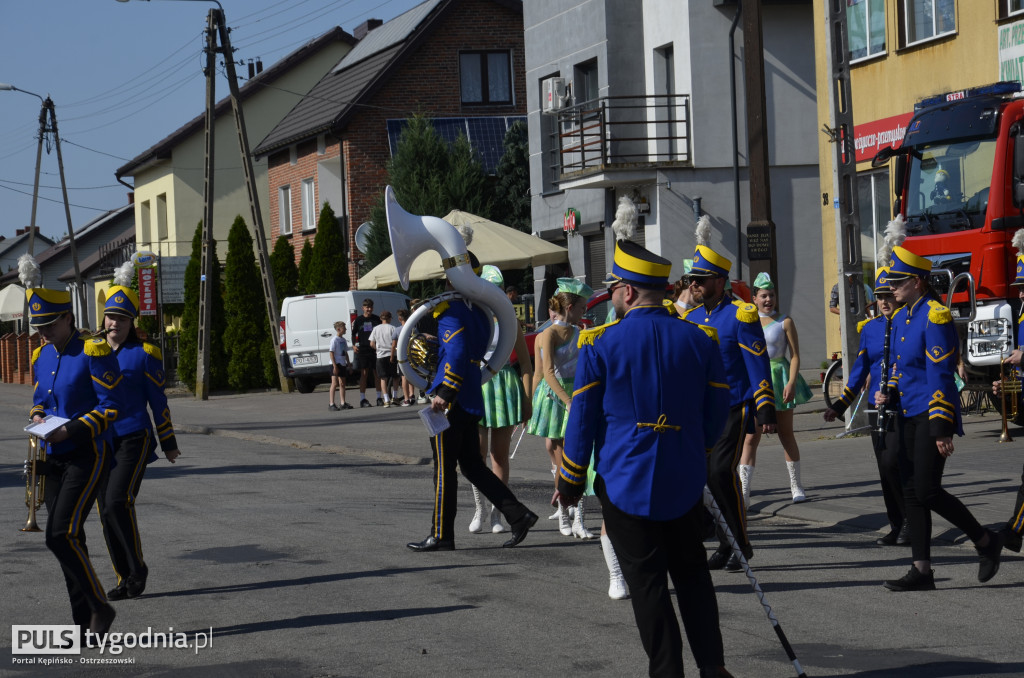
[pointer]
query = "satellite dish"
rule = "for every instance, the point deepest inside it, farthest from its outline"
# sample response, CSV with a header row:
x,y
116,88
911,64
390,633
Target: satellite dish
x,y
363,236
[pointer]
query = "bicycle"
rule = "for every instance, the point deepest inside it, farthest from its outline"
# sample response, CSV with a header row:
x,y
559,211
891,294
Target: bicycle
x,y
832,390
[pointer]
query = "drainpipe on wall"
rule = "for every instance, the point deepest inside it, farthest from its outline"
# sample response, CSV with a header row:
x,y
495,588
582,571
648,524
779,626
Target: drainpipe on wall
x,y
735,141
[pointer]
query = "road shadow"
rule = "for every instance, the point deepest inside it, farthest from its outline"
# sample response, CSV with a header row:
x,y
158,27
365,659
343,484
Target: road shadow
x,y
333,619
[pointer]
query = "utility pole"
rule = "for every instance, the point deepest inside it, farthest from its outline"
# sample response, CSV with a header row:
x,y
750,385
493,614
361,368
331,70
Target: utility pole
x,y
844,190
761,247
217,26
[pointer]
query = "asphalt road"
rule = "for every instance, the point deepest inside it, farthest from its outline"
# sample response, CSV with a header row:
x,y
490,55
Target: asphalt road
x,y
282,529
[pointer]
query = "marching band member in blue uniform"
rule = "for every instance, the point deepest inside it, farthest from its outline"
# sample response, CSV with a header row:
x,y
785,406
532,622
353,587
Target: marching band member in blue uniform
x,y
923,394
464,332
649,399
76,377
1014,527
867,368
751,397
142,384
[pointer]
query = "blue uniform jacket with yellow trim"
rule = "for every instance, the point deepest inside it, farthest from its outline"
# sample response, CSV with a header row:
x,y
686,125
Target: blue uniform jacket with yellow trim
x,y
925,350
867,364
142,382
649,399
80,382
463,334
744,352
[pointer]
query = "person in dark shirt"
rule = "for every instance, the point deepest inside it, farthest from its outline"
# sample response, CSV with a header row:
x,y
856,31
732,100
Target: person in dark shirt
x,y
365,355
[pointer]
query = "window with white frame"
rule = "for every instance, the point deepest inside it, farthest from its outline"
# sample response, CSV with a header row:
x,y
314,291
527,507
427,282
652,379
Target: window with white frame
x,y
865,23
308,205
486,77
927,19
284,207
1009,8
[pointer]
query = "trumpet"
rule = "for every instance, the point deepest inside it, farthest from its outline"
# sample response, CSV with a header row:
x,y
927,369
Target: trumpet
x,y
1009,385
35,483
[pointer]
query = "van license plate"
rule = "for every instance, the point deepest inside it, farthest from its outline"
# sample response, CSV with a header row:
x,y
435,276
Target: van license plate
x,y
304,360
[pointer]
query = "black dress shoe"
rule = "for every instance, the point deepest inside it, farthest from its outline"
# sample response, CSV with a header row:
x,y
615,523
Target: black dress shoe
x,y
988,556
1011,539
120,592
520,528
135,585
432,543
889,539
101,620
904,536
734,564
915,580
719,559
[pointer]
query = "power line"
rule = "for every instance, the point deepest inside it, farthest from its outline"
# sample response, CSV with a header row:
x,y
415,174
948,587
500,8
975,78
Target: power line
x,y
70,188
59,202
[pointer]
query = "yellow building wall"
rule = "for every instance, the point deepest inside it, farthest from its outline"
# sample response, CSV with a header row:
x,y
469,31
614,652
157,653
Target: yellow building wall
x,y
890,84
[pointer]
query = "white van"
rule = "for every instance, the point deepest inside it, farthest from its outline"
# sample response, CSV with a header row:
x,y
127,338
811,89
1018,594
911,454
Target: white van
x,y
307,327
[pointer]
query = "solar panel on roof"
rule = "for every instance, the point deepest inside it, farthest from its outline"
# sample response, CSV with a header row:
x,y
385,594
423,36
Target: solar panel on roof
x,y
486,134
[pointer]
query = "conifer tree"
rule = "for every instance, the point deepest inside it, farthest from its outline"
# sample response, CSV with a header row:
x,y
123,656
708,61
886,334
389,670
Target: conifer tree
x,y
305,259
247,334
282,265
188,338
512,188
328,268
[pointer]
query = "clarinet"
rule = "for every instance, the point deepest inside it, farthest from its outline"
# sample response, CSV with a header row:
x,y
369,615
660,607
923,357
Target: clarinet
x,y
884,414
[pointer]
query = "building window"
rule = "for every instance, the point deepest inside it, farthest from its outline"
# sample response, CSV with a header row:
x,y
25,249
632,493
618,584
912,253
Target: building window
x,y
927,19
284,207
585,83
308,205
145,222
1009,8
486,77
865,22
161,216
550,144
875,210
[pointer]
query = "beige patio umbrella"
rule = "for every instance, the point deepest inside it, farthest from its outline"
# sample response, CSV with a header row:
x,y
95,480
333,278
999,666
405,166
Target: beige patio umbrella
x,y
12,302
493,243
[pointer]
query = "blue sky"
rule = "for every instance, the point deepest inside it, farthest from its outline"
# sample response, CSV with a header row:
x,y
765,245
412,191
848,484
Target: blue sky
x,y
122,76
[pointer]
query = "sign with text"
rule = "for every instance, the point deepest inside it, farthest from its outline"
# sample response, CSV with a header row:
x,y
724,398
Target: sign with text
x,y
871,137
759,243
147,291
1011,52
172,279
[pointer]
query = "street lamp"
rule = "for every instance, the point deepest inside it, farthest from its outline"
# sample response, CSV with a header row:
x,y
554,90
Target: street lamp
x,y
216,25
48,113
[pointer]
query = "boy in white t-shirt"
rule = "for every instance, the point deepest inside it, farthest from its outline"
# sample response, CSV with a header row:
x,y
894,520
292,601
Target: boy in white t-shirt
x,y
339,366
381,340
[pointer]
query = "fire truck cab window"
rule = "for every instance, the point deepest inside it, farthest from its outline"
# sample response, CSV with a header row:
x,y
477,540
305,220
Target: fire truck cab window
x,y
948,186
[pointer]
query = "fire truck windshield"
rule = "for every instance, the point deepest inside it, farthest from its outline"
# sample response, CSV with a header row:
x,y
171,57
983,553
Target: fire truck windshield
x,y
948,186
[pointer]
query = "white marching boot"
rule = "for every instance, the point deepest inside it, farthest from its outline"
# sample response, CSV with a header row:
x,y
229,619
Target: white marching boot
x,y
746,474
477,524
617,589
564,524
578,528
794,482
496,524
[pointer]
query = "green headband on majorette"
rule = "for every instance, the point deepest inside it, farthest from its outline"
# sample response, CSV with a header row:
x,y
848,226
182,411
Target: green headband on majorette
x,y
574,286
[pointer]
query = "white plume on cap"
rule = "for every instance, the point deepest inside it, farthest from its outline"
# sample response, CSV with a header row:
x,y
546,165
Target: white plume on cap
x,y
1018,242
466,231
29,272
624,226
703,232
124,273
895,234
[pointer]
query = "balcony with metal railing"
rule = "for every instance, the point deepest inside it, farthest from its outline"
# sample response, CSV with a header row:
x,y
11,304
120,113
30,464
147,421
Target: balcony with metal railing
x,y
593,143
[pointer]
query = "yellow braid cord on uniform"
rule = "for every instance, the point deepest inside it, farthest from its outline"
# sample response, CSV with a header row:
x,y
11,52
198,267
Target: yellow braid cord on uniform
x,y
164,428
847,396
764,396
439,309
936,355
158,380
757,348
591,335
941,408
140,468
718,384
35,354
745,313
96,348
861,325
78,514
449,335
938,314
440,489
451,380
152,350
660,426
589,386
571,472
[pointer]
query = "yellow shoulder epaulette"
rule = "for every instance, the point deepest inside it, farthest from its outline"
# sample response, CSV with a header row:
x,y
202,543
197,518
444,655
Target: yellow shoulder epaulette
x,y
670,306
591,335
35,353
152,350
938,313
97,347
710,331
745,312
439,309
1020,319
862,323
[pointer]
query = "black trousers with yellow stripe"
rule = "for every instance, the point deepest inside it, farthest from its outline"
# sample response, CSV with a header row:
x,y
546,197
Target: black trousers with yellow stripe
x,y
116,501
460,444
1016,521
72,481
723,481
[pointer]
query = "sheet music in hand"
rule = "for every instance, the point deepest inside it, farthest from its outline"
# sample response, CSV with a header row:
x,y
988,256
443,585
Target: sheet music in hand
x,y
45,428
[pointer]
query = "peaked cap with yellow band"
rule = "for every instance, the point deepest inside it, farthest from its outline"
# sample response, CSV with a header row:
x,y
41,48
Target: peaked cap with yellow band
x,y
638,266
906,264
882,281
46,306
1018,242
122,301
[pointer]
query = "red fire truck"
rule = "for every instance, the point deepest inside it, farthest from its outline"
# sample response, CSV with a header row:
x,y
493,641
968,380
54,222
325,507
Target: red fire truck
x,y
959,182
